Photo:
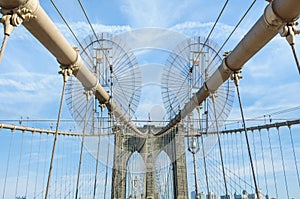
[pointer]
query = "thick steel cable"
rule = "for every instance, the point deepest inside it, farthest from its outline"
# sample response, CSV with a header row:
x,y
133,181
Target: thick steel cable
x,y
3,45
296,57
56,135
219,143
96,36
7,164
70,29
272,160
217,20
19,164
92,28
294,154
209,34
230,35
283,163
246,136
82,143
264,164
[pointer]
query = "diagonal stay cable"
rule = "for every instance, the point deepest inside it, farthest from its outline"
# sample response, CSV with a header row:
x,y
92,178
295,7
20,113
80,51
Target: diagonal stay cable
x,y
70,29
96,36
230,35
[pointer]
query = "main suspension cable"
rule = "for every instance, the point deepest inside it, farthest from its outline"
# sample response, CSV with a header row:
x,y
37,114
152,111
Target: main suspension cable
x,y
70,29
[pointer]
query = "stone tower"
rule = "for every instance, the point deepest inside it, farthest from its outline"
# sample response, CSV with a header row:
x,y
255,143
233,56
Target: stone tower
x,y
149,148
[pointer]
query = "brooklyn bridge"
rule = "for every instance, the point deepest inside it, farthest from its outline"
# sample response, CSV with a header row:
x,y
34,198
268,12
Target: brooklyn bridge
x,y
95,111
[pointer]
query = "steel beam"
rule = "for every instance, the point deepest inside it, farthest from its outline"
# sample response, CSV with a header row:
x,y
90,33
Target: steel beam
x,y
42,27
276,15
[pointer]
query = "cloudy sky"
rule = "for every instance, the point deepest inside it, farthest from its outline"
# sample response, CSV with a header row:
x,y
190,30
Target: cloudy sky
x,y
30,86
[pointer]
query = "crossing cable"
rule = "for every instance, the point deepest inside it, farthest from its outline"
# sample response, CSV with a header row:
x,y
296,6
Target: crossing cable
x,y
97,38
7,163
19,164
272,160
244,172
45,163
92,28
66,72
255,157
283,163
236,77
88,95
209,34
204,156
202,143
70,29
238,156
107,159
219,142
98,154
264,165
230,35
217,20
294,154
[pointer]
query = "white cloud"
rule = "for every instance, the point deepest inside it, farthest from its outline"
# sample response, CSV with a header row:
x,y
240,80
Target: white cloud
x,y
157,13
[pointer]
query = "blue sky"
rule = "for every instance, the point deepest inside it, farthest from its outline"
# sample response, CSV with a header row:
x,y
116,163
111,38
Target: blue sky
x,y
30,86
27,66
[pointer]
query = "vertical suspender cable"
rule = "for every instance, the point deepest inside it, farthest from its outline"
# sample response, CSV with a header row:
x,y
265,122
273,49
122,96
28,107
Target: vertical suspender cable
x,y
37,167
272,160
65,73
244,172
255,157
20,160
263,158
238,156
7,164
98,154
82,142
46,155
236,80
106,169
283,164
219,143
61,172
295,159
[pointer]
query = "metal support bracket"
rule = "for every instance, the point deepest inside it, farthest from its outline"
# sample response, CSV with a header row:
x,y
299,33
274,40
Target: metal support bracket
x,y
236,76
66,72
289,31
